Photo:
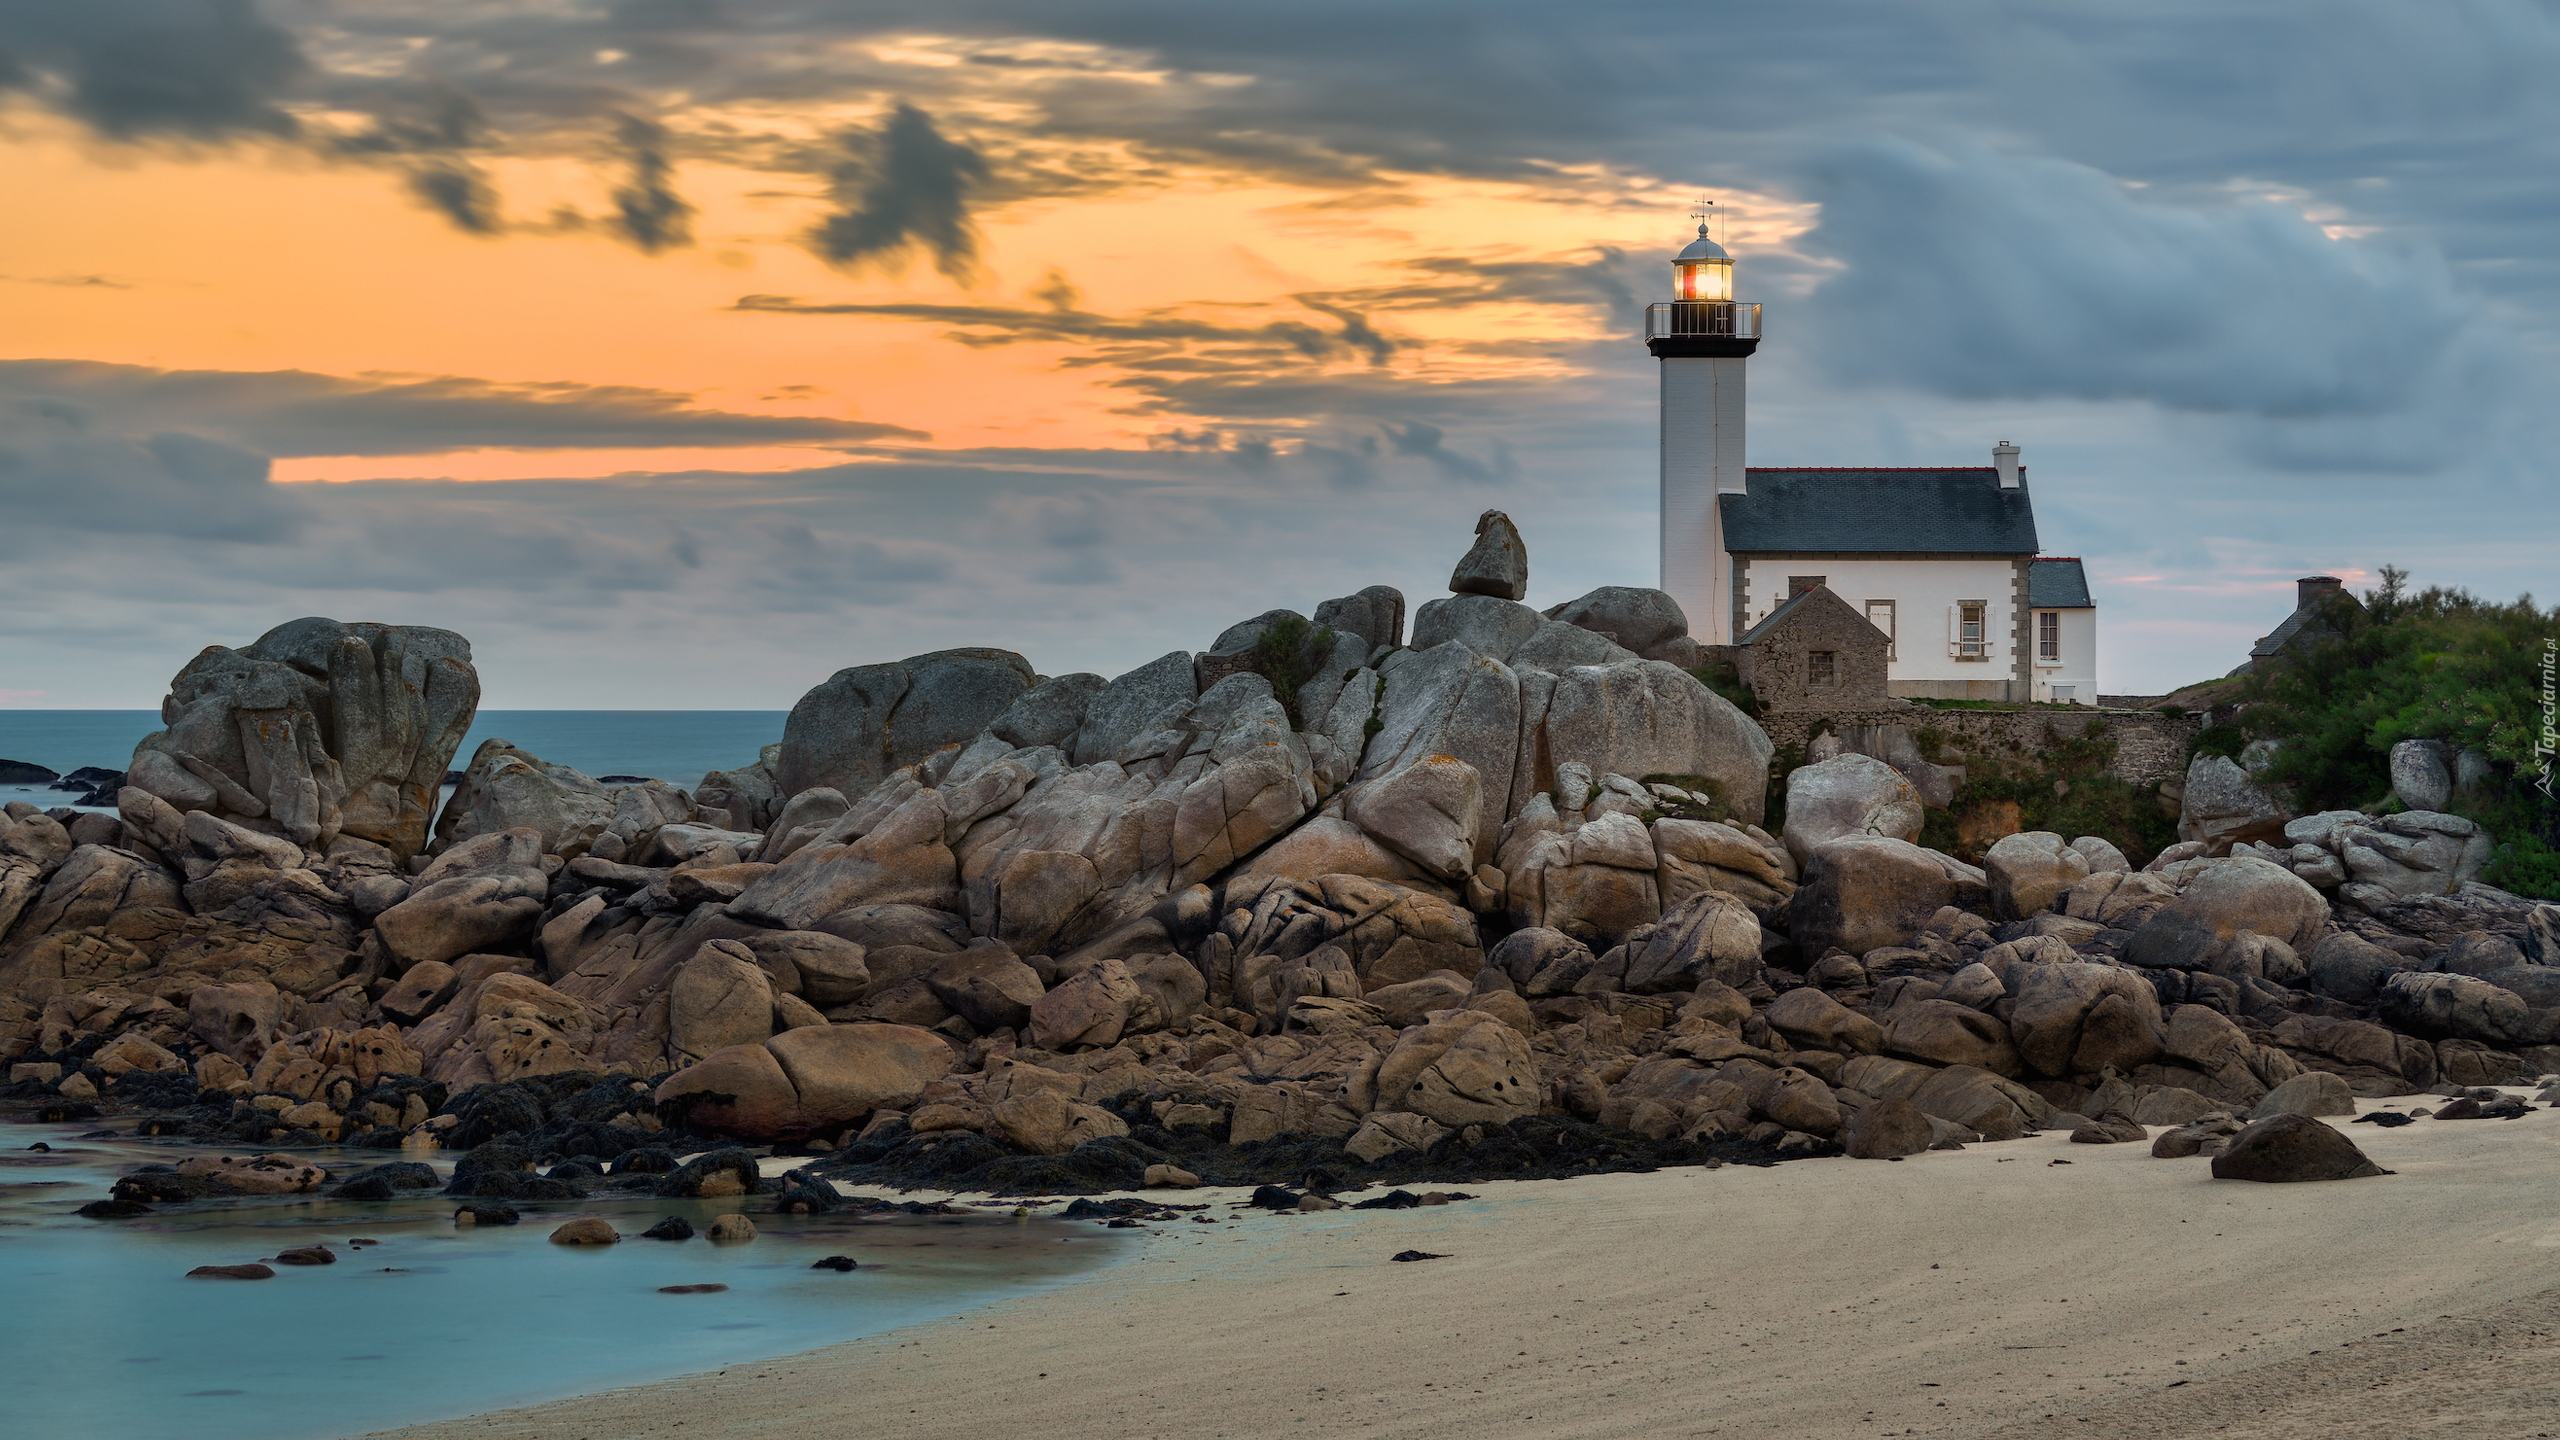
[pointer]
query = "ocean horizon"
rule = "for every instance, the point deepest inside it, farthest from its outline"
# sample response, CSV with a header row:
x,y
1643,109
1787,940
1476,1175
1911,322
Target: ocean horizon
x,y
677,746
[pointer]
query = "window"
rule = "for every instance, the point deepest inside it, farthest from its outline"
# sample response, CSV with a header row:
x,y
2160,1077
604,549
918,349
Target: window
x,y
1821,669
1798,584
1880,615
1964,622
2049,635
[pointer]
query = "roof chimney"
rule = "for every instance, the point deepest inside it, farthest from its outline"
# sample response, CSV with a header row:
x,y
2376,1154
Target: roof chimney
x,y
2310,588
2004,458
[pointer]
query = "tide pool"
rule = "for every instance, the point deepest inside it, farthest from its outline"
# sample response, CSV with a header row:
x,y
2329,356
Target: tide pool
x,y
107,1340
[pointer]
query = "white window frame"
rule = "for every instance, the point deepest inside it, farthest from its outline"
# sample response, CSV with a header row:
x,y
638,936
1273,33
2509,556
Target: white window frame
x,y
2049,637
1978,646
1888,626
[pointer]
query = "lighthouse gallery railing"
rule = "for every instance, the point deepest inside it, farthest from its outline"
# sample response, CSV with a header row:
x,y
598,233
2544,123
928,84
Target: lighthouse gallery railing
x,y
1739,319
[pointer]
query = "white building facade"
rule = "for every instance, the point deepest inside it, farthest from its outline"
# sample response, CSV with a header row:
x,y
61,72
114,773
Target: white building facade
x,y
2062,631
1942,560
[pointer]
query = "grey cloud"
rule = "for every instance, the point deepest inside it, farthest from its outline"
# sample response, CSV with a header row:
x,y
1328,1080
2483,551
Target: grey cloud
x,y
648,211
460,191
902,188
1987,276
298,412
135,69
58,471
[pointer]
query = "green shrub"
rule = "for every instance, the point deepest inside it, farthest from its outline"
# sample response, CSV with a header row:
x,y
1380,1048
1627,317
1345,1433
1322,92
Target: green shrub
x,y
2438,664
1725,679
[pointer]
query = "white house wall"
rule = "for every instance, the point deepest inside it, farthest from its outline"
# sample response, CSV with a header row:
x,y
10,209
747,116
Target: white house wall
x,y
1923,592
2078,667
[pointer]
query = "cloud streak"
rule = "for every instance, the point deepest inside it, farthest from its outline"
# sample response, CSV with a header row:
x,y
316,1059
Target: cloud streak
x,y
301,413
898,190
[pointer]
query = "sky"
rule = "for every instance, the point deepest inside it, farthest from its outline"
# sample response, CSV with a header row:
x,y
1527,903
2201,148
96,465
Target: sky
x,y
682,352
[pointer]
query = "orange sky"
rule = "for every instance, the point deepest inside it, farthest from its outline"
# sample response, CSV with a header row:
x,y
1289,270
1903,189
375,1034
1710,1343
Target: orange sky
x,y
257,257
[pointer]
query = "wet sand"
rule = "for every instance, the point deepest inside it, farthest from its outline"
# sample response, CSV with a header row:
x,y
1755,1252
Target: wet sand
x,y
1987,1292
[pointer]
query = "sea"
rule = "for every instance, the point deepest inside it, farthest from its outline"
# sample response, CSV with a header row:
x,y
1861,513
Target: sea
x,y
677,746
107,1338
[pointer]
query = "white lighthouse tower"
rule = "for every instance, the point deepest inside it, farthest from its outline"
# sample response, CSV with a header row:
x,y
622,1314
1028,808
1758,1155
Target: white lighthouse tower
x,y
1703,337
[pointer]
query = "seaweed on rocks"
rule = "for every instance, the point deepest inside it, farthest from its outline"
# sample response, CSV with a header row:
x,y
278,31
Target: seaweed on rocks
x,y
161,1184
385,1182
720,1172
643,1160
541,1111
502,1170
1537,1147
153,1090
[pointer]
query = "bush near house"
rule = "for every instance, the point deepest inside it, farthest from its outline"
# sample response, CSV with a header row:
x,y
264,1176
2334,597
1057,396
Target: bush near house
x,y
2436,664
2063,787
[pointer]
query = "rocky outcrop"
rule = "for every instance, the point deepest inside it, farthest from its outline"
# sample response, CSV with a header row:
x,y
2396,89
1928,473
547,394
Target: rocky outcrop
x,y
865,722
1494,902
315,730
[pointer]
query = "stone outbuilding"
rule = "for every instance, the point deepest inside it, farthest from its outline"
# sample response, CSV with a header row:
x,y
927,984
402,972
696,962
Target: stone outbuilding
x,y
1814,652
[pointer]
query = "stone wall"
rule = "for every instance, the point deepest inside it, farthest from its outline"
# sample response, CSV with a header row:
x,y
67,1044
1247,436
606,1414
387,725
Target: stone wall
x,y
2150,747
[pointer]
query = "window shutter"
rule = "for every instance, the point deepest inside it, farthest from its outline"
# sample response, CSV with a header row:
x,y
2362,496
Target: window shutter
x,y
1955,630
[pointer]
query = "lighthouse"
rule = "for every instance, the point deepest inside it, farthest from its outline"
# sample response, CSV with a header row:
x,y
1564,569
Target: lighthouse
x,y
1703,337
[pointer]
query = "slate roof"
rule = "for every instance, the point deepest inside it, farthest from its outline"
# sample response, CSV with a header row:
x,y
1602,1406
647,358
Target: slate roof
x,y
1958,511
2306,625
1778,617
2057,583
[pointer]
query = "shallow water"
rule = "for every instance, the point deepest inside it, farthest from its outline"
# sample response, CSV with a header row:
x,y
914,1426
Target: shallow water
x,y
106,1339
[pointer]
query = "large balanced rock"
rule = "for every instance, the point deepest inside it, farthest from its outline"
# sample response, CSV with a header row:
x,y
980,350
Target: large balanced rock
x,y
315,730
1497,565
1848,795
813,1079
2286,1148
861,723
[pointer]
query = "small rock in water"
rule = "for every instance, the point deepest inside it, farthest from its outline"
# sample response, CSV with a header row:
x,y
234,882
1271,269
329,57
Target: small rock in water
x,y
485,1215
1416,1255
838,1263
307,1255
112,1210
674,1227
586,1230
231,1272
691,1289
732,1228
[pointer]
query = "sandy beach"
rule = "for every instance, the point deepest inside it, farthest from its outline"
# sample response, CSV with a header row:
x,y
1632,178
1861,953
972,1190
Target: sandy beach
x,y
1990,1291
